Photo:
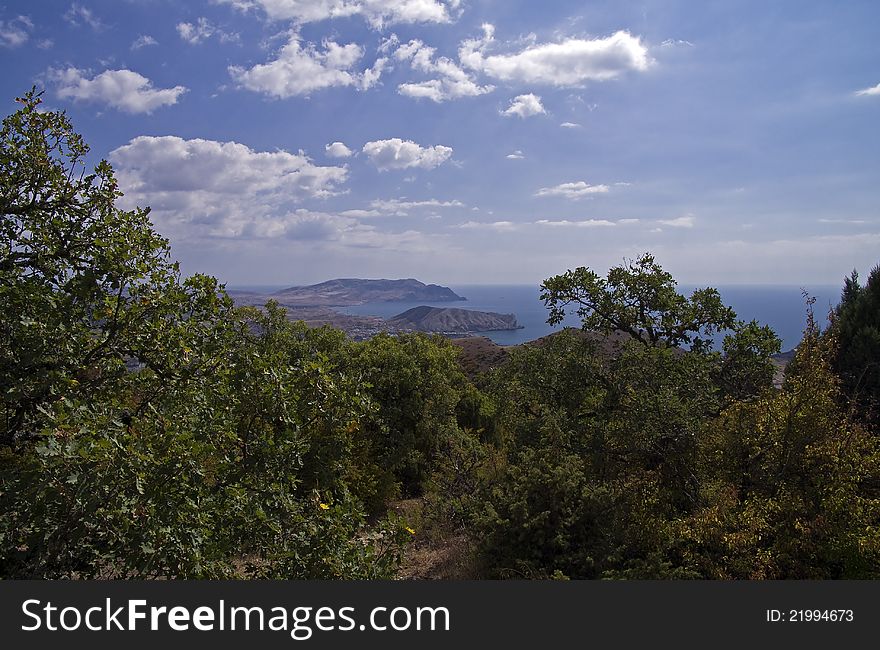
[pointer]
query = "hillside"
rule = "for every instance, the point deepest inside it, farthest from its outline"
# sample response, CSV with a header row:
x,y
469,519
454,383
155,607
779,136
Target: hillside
x,y
480,354
452,320
352,291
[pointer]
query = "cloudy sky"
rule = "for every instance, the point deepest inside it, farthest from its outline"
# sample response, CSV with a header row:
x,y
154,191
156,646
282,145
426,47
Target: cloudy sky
x,y
476,141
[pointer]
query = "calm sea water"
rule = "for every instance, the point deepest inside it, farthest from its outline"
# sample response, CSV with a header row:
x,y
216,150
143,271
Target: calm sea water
x,y
780,306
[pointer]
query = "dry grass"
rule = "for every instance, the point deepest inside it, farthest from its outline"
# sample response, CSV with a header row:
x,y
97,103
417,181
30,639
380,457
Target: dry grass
x,y
433,554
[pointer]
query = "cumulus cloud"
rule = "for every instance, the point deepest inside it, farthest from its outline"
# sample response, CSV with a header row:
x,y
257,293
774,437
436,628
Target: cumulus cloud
x,y
15,32
873,90
450,80
371,76
377,13
573,191
570,125
338,150
679,222
222,189
586,223
124,90
516,155
144,40
204,189
404,154
571,62
301,69
201,30
525,106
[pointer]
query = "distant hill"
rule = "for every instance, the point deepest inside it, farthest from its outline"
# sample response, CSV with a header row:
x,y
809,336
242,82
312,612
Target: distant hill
x,y
480,354
351,291
452,320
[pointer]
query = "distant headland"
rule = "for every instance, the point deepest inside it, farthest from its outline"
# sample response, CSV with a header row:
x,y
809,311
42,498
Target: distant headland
x,y
345,292
315,305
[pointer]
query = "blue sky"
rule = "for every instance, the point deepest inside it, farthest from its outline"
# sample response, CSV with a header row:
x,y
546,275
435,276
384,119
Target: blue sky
x,y
476,141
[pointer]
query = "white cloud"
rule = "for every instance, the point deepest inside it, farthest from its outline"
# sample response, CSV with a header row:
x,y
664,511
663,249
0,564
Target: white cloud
x,y
849,222
361,214
143,40
686,221
403,154
377,12
338,150
122,89
207,190
571,62
301,69
201,30
676,42
570,125
371,76
525,106
493,225
15,32
516,155
78,16
402,207
573,191
873,90
451,82
587,223
223,189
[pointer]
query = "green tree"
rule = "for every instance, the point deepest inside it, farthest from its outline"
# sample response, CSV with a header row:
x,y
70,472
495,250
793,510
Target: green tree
x,y
747,368
856,327
607,431
640,299
790,483
149,429
85,287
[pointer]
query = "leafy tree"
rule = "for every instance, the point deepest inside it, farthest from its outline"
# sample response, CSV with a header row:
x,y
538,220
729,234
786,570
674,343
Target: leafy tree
x,y
747,368
84,286
856,327
640,299
790,484
149,429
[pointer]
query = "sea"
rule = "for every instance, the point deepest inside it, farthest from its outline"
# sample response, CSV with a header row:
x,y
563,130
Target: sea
x,y
782,307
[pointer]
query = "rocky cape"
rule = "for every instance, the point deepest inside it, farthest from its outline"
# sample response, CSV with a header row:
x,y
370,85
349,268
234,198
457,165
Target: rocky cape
x,y
450,320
